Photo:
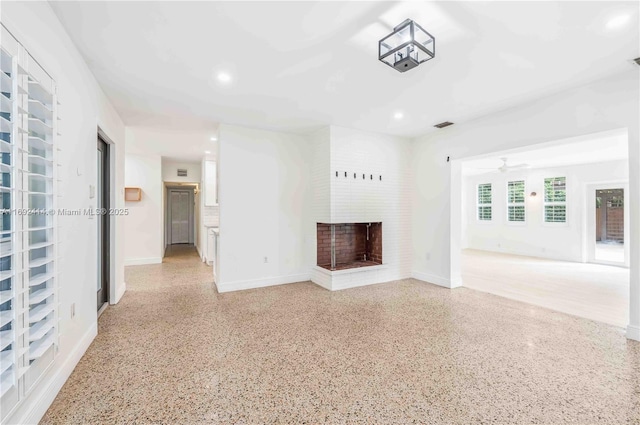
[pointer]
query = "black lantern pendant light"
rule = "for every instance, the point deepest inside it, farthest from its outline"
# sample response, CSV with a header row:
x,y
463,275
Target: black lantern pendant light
x,y
407,46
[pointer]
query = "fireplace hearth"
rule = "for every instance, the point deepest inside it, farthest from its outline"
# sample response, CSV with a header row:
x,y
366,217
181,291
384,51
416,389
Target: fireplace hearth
x,y
349,245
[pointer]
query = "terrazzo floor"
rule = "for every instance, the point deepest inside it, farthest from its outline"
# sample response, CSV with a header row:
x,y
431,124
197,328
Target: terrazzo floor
x,y
174,351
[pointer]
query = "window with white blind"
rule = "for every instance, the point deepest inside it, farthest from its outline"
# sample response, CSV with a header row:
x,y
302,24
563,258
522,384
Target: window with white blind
x,y
484,202
515,201
555,200
28,242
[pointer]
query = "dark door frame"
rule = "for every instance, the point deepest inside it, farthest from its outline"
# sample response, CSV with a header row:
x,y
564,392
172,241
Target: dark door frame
x,y
102,296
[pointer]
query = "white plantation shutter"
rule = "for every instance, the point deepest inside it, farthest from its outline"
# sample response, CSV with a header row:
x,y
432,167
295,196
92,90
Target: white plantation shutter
x,y
38,181
9,285
555,200
515,201
28,243
484,202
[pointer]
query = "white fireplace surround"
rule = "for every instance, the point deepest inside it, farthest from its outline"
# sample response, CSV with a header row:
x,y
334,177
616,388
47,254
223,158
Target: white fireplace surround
x,y
381,196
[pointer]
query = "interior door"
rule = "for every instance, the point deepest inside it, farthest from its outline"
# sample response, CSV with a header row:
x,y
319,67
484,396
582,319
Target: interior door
x,y
102,203
180,213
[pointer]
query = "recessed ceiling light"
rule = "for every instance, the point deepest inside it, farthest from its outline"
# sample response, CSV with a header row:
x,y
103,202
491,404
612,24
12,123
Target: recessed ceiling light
x,y
223,77
214,138
398,115
618,22
207,152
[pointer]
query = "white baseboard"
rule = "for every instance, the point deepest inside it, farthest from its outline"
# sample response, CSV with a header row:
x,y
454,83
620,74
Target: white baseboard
x,y
240,285
633,332
437,280
142,261
535,254
120,290
36,404
321,284
351,285
455,282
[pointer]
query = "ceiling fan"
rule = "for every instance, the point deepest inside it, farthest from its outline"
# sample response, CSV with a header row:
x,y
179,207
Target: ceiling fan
x,y
505,167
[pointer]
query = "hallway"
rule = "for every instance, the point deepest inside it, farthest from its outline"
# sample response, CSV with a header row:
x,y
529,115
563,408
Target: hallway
x,y
175,351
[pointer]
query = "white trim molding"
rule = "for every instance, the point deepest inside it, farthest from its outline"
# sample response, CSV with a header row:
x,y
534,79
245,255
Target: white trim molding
x,y
322,284
336,280
120,290
34,406
633,332
437,280
240,285
142,261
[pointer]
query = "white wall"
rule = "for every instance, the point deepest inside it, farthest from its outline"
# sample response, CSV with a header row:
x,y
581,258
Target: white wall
x,y
534,237
177,144
83,108
144,224
264,199
170,171
604,105
275,187
320,145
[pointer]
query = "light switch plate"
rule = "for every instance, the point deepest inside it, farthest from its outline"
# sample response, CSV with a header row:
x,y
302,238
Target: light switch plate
x,y
92,191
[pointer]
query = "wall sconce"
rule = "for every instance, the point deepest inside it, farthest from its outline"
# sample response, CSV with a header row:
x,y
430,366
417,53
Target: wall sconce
x,y
532,194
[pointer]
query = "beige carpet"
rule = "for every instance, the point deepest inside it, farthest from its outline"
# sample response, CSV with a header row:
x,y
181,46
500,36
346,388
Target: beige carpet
x,y
592,291
173,351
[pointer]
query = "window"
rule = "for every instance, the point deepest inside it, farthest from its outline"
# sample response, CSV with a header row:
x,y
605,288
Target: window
x,y
555,200
28,232
616,201
8,275
515,201
484,202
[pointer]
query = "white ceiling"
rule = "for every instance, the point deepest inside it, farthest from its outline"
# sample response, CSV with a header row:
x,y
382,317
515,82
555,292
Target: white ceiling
x,y
298,65
173,144
601,147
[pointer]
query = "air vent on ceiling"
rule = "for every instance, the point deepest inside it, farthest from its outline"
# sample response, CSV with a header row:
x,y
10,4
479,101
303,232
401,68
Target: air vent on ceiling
x,y
443,124
182,172
637,61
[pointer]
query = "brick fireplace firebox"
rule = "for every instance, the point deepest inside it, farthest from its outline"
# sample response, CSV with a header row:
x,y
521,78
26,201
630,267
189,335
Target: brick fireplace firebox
x,y
349,245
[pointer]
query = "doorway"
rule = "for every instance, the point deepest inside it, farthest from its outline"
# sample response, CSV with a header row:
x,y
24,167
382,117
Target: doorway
x,y
103,204
180,219
609,225
543,259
